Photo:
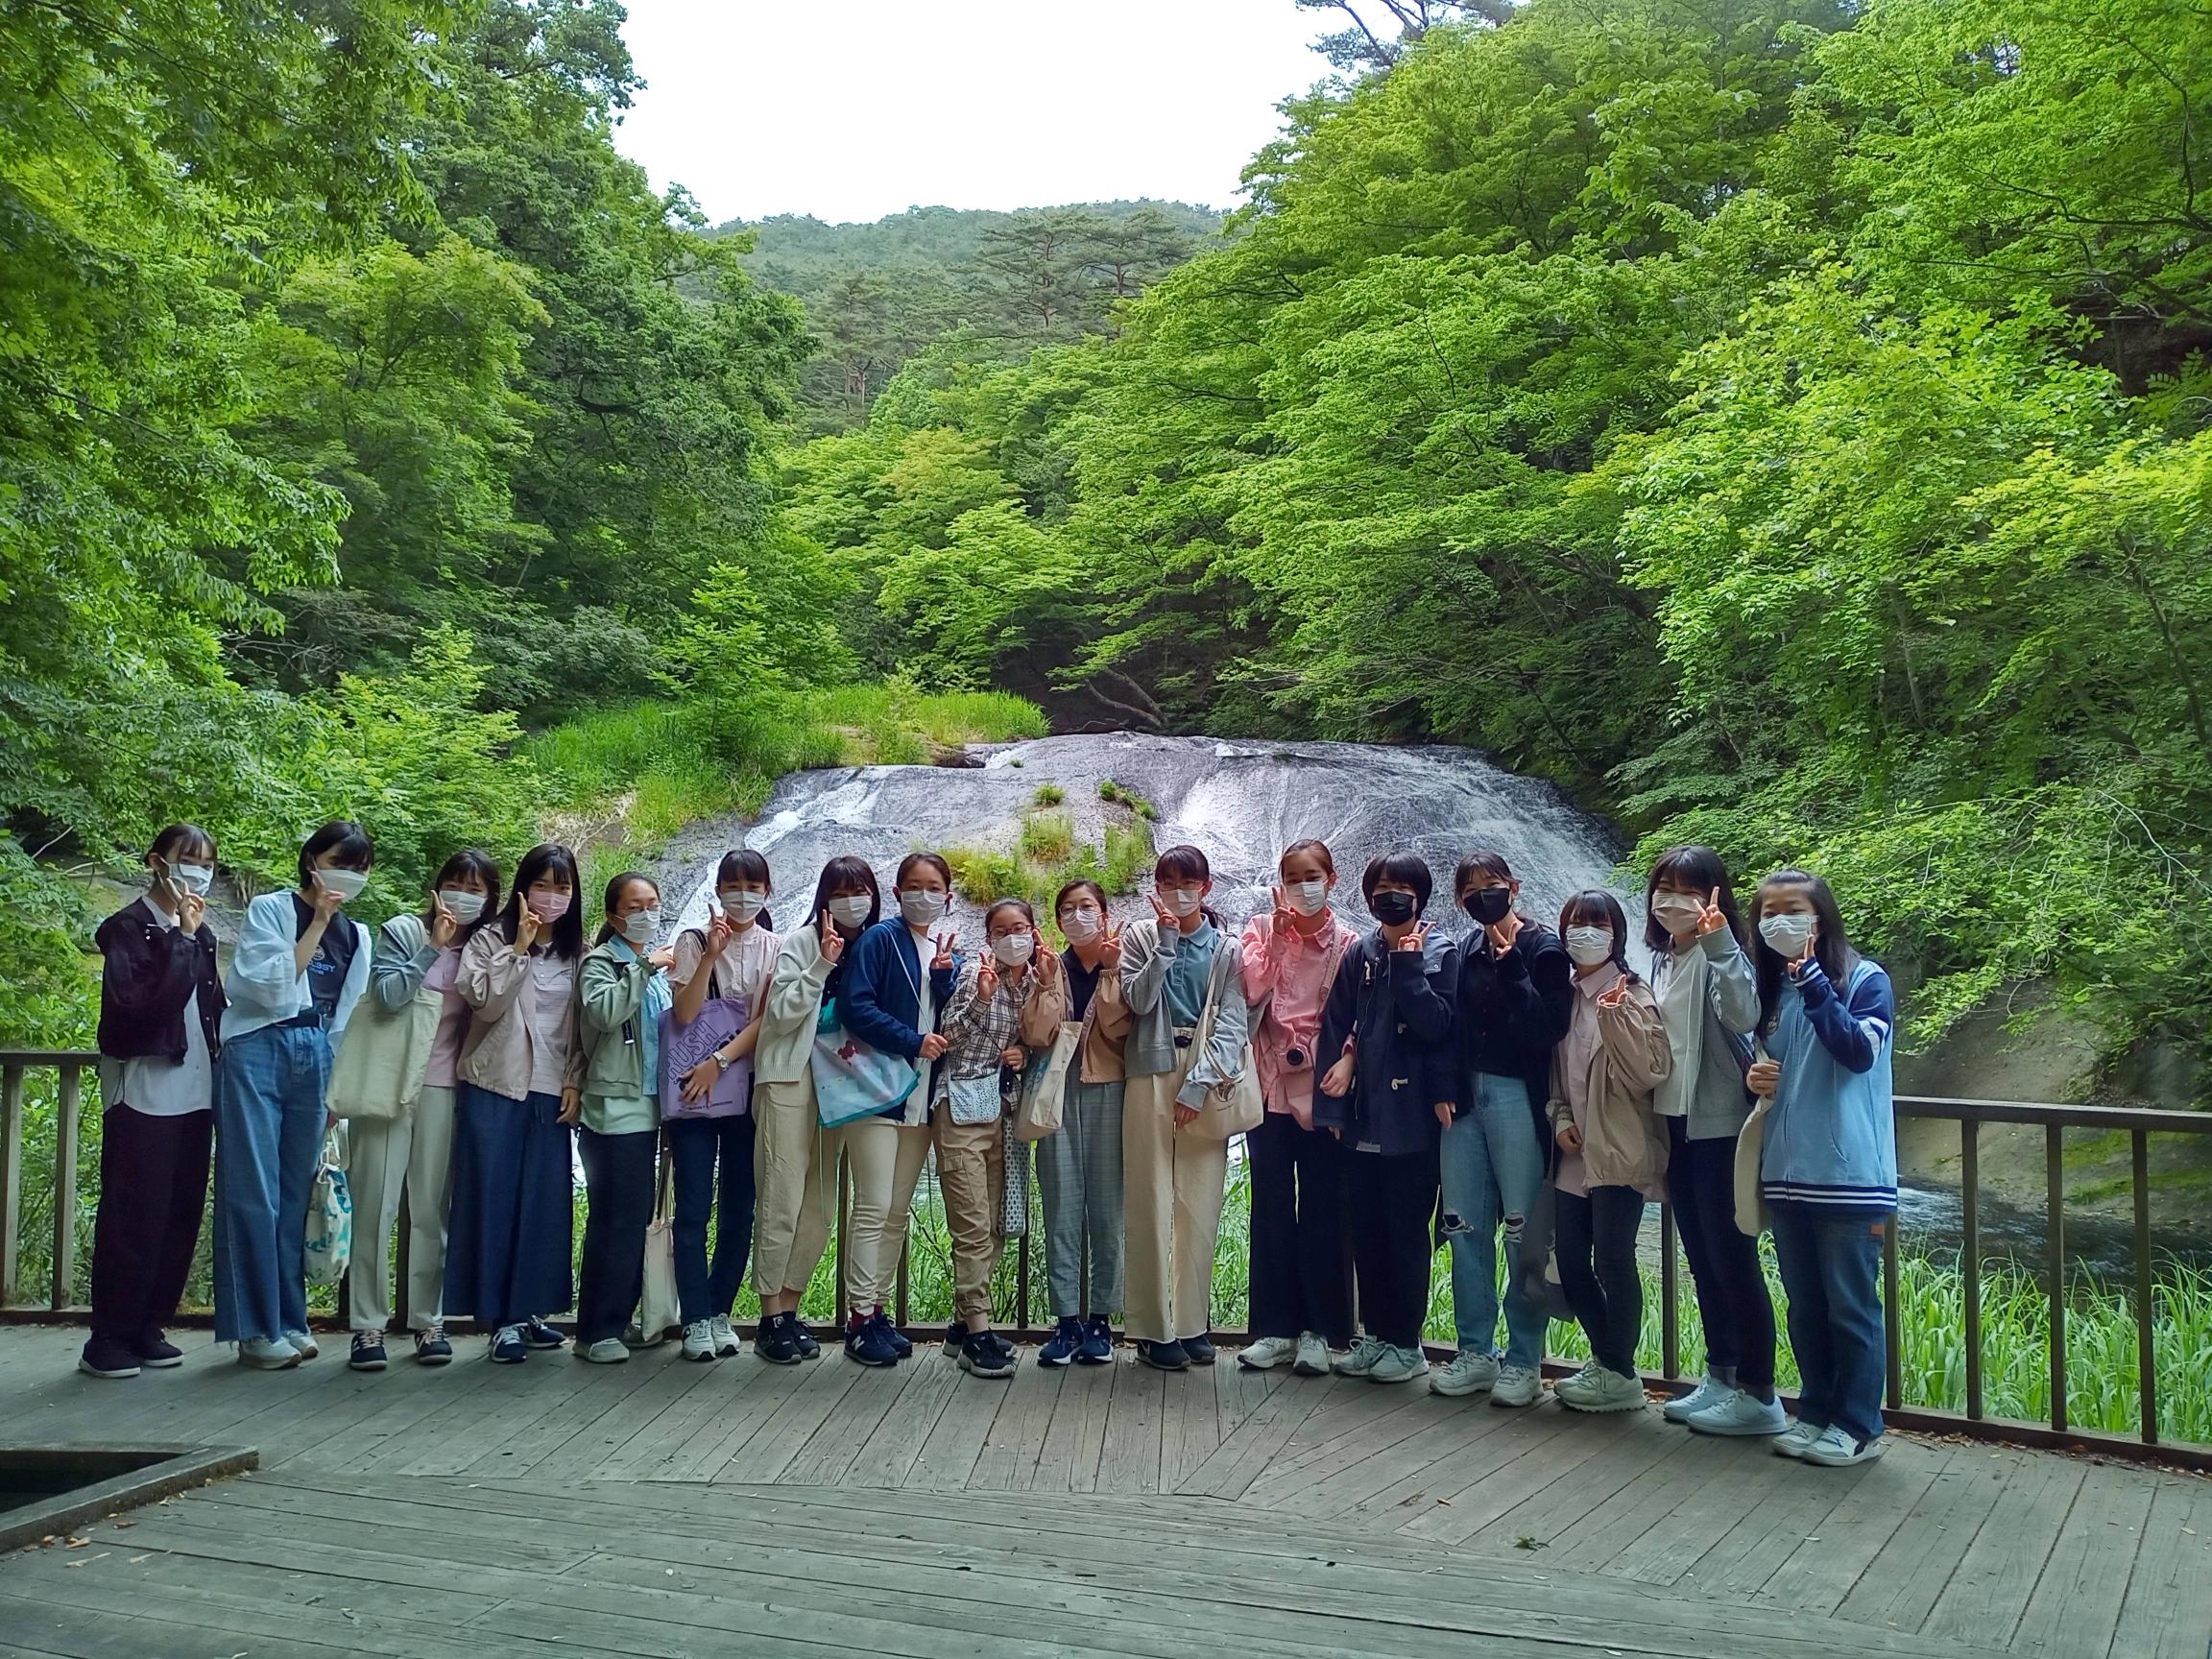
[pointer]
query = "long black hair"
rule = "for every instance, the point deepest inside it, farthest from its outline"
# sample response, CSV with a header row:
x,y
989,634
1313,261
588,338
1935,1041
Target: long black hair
x,y
1595,907
565,937
181,841
468,861
1187,863
1831,945
1699,868
846,874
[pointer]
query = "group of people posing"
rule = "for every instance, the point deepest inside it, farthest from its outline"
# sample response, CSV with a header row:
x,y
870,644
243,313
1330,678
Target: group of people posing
x,y
1511,1083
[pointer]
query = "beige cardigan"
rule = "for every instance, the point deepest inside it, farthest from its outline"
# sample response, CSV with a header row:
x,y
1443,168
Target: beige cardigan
x,y
494,981
1624,1143
1106,1025
785,1049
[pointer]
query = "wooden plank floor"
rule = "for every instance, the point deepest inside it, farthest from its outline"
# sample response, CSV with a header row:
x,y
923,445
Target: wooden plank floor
x,y
659,1509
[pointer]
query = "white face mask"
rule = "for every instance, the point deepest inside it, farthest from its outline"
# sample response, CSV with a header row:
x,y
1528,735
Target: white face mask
x,y
1787,933
192,878
1182,900
464,906
1676,912
1308,898
1081,924
346,883
741,903
641,926
1588,947
1013,948
921,906
849,910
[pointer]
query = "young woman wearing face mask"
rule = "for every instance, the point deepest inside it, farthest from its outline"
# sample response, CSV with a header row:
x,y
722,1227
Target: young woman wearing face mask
x,y
160,1034
507,1258
897,982
710,1128
1079,1167
1828,1169
1301,1282
1612,1151
1003,1003
299,968
1516,1000
1173,964
413,1155
1387,1093
1710,1003
620,995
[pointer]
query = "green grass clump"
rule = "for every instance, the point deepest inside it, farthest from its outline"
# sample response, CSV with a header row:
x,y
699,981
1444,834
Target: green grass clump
x,y
1122,795
1048,837
1049,795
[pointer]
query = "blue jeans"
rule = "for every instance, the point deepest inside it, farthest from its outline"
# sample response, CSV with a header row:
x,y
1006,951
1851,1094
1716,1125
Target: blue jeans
x,y
1492,1167
269,1120
694,1147
1830,1268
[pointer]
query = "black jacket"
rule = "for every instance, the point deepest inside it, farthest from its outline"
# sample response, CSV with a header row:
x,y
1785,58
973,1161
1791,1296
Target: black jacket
x,y
1511,1014
150,974
1403,1064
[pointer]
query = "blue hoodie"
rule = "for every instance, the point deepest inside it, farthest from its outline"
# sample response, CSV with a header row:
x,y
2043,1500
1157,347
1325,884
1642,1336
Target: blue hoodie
x,y
880,1000
1832,1132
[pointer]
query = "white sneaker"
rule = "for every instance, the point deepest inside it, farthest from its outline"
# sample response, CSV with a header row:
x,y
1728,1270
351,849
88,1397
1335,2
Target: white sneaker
x,y
609,1351
264,1353
1793,1440
725,1344
1836,1449
1596,1388
1364,1355
1518,1386
1712,1391
1571,1388
1399,1365
302,1344
1468,1373
1313,1356
1266,1354
698,1339
1742,1412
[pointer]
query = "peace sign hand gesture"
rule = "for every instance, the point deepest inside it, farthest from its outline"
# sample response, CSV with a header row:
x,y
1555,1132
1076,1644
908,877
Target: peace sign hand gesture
x,y
1503,935
832,941
718,932
1710,919
1284,916
527,927
1414,937
1170,921
1047,962
943,957
443,923
986,981
1110,950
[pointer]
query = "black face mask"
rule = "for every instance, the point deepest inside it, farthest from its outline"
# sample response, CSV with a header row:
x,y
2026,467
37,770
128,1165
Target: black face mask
x,y
1394,908
1488,905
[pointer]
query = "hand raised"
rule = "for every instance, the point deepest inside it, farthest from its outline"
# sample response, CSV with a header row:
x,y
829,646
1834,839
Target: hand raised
x,y
986,983
663,960
327,900
1503,935
832,941
527,927
1710,919
1110,950
1048,961
719,933
190,909
1613,994
1170,921
1413,938
1286,917
943,957
445,926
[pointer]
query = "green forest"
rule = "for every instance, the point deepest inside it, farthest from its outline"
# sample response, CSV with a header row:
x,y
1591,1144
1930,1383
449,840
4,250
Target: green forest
x,y
1785,423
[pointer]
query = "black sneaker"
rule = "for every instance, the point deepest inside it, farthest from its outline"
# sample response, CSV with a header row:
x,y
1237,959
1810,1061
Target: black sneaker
x,y
537,1334
1097,1343
868,1340
107,1357
809,1347
985,1354
899,1338
956,1335
1200,1349
431,1347
777,1340
1063,1344
157,1354
1163,1355
368,1351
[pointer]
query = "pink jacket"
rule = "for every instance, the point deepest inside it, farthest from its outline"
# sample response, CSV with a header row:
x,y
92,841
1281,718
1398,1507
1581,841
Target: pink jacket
x,y
1290,974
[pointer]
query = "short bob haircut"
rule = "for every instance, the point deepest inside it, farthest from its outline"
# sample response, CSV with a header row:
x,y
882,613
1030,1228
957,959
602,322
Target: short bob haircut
x,y
1407,869
1594,907
1701,870
846,874
741,865
345,842
468,861
913,861
1081,884
177,842
1021,904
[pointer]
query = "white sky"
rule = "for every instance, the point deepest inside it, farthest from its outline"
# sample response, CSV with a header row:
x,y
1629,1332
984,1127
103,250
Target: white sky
x,y
849,109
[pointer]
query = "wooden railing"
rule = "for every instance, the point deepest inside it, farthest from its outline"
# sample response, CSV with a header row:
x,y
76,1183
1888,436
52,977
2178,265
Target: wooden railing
x,y
70,1066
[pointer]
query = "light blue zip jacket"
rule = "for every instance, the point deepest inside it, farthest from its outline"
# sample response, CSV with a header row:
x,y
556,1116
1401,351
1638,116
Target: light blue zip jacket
x,y
1832,1132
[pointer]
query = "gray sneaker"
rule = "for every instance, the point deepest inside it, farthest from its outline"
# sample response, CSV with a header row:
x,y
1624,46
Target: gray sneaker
x,y
1793,1440
1712,1391
1518,1386
1740,1413
1399,1365
1595,1388
1362,1358
1267,1353
1313,1356
1468,1373
1836,1450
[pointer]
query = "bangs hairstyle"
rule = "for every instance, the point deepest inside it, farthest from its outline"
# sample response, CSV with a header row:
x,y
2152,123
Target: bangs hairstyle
x,y
1081,884
345,841
181,843
1480,868
1593,907
1407,869
565,937
846,874
616,890
990,916
741,865
1831,949
1318,849
1186,863
468,861
908,864
1699,869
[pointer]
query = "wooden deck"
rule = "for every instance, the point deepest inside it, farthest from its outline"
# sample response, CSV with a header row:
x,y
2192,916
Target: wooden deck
x,y
666,1509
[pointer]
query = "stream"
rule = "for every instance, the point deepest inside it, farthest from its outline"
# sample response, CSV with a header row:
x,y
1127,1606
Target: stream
x,y
1242,802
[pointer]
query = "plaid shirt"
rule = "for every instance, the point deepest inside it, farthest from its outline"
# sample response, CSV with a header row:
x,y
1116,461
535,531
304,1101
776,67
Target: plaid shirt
x,y
978,1033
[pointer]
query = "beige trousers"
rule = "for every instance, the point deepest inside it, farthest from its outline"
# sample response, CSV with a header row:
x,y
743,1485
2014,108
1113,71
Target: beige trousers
x,y
411,1155
971,1174
792,1170
884,1159
1174,1181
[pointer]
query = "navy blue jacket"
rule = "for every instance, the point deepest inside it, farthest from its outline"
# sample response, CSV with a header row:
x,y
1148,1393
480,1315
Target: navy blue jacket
x,y
1400,1009
1511,1014
878,1002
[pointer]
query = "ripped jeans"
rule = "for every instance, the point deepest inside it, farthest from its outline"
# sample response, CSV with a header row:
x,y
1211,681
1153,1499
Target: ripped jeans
x,y
1492,1168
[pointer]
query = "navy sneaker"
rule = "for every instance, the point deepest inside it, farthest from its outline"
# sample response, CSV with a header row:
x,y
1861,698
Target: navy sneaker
x,y
985,1354
368,1351
508,1348
155,1352
431,1347
110,1358
537,1334
899,1338
868,1340
956,1335
1097,1343
1163,1355
1063,1344
1200,1350
809,1347
776,1340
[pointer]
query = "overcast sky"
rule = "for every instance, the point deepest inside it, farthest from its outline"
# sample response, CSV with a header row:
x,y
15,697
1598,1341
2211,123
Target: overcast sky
x,y
863,107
